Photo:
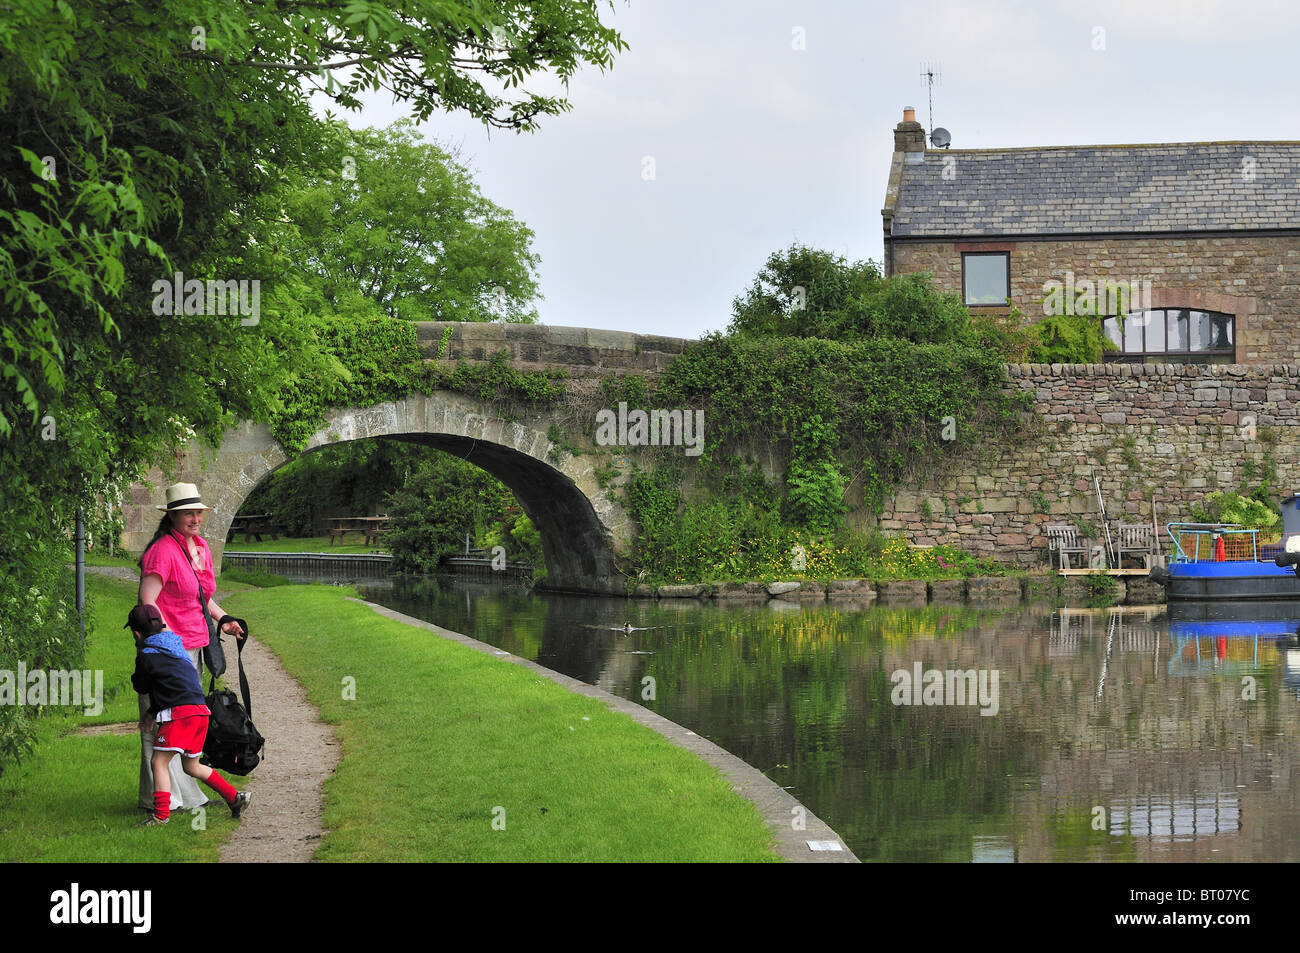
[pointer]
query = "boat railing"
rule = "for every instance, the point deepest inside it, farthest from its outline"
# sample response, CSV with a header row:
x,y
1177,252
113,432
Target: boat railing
x,y
1194,542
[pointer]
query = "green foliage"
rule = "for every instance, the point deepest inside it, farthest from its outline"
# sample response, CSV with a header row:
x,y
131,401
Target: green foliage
x,y
1102,589
1002,334
910,308
443,498
384,218
1068,339
874,406
143,140
443,343
254,577
816,485
356,477
355,362
629,388
803,292
528,545
1240,510
497,380
714,539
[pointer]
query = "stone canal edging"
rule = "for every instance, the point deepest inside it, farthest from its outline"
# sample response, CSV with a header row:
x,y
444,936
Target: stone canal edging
x,y
811,844
973,590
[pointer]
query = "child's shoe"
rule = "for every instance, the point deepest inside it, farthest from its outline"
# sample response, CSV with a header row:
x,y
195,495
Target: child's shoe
x,y
153,820
239,804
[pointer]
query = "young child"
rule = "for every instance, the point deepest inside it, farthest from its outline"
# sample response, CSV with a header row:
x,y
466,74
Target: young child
x,y
164,672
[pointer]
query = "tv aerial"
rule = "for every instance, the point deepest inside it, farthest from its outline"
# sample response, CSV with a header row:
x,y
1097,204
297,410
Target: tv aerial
x,y
940,138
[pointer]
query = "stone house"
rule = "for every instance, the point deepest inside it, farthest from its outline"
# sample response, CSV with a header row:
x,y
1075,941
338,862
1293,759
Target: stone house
x,y
1199,243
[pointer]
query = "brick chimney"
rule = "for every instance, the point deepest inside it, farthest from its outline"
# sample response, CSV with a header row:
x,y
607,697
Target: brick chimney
x,y
909,135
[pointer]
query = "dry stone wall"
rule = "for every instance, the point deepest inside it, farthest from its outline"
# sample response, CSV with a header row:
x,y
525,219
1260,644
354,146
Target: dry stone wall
x,y
1172,432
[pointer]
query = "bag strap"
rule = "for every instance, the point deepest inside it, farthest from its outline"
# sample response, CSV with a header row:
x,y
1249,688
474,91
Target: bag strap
x,y
203,600
243,679
239,655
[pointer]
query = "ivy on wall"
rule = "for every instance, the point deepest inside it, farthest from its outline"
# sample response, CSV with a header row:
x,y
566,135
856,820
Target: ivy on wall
x,y
359,363
869,411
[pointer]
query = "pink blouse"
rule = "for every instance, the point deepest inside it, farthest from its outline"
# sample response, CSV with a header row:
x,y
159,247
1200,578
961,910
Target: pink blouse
x,y
179,599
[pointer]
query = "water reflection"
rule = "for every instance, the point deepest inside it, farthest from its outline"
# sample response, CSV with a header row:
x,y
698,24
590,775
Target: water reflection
x,y
1118,735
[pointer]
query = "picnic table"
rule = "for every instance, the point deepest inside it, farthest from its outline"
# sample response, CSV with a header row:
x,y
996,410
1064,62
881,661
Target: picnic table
x,y
372,528
252,525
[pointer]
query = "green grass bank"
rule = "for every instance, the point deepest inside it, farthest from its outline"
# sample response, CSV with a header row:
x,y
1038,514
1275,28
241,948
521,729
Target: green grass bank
x,y
452,755
73,798
448,755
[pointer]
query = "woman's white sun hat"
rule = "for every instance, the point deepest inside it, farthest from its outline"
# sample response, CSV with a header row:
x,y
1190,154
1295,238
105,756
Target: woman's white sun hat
x,y
183,496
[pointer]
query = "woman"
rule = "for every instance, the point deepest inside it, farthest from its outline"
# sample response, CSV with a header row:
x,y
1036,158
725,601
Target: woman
x,y
174,565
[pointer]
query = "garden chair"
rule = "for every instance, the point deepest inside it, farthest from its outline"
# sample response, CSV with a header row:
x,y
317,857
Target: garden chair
x,y
1134,539
1064,540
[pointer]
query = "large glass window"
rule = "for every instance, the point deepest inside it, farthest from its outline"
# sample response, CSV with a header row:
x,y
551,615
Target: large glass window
x,y
1176,334
986,277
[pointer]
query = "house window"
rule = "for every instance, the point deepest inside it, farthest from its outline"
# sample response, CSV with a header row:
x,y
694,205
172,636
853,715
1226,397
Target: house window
x,y
1172,334
986,278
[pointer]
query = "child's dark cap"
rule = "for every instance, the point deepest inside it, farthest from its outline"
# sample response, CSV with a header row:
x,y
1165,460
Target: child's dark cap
x,y
145,619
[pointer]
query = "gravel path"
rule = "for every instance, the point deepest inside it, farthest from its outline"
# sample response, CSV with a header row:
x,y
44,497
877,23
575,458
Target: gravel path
x,y
283,822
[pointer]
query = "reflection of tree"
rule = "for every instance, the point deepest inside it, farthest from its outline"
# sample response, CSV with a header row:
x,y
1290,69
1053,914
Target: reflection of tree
x,y
1219,331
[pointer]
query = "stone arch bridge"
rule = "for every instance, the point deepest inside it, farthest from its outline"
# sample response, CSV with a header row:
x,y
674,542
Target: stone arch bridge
x,y
584,529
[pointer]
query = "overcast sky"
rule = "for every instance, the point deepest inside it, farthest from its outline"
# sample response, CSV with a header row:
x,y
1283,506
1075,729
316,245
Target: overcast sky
x,y
771,122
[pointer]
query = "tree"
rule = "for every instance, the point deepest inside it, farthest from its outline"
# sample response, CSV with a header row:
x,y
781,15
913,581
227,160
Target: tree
x,y
803,292
140,142
443,499
386,218
806,292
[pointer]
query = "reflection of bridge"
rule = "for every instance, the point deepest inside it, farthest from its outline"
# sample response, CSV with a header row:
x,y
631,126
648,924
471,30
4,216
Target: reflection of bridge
x,y
583,529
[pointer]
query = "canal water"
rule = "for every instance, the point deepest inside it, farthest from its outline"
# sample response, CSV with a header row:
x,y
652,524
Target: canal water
x,y
1069,735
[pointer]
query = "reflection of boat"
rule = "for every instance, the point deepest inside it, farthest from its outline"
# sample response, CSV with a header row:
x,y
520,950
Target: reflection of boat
x,y
1222,561
1226,637
1265,618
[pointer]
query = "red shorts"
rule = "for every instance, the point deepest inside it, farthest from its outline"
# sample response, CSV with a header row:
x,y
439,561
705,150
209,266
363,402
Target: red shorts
x,y
184,735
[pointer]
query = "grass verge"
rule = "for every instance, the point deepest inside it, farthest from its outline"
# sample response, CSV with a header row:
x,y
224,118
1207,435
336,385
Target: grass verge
x,y
74,798
441,741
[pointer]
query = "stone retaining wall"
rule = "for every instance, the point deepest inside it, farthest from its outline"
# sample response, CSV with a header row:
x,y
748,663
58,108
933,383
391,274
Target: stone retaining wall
x,y
858,593
1176,431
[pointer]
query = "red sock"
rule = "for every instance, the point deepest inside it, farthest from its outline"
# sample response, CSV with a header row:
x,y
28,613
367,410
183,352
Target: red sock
x,y
162,805
221,786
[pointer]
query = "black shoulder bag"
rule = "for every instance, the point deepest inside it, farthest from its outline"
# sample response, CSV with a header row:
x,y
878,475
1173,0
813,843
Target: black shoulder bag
x,y
214,656
233,743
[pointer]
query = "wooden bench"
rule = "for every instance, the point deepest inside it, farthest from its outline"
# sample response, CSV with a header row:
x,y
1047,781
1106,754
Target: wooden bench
x,y
371,528
1063,538
250,526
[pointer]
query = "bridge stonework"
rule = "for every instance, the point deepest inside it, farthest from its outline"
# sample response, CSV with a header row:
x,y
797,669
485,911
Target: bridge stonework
x,y
1172,432
585,531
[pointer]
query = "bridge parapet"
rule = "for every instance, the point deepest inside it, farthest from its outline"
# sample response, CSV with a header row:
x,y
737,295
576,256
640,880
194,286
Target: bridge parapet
x,y
579,352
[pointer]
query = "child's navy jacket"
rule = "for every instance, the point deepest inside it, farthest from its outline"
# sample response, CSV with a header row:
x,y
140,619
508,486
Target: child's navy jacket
x,y
164,672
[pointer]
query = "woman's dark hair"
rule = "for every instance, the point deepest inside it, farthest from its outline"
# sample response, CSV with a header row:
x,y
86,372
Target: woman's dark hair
x,y
164,529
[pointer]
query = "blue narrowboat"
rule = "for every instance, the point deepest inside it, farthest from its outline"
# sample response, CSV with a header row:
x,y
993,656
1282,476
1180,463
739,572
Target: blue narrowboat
x,y
1222,561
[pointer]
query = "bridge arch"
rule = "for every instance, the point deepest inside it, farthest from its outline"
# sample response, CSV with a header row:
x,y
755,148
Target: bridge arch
x,y
583,530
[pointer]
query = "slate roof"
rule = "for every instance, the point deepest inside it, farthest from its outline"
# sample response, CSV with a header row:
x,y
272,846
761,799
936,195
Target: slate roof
x,y
1081,189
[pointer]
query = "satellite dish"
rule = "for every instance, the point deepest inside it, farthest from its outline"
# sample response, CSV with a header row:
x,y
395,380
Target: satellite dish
x,y
941,138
